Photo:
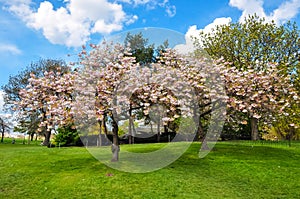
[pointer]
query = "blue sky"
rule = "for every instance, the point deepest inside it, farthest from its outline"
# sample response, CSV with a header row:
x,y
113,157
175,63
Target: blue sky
x,y
30,29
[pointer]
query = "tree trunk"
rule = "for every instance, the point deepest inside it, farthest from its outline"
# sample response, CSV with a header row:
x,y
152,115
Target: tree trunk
x,y
115,148
31,136
100,133
2,135
158,130
151,126
166,131
2,129
200,136
204,145
254,129
130,127
200,132
47,138
290,136
133,132
104,125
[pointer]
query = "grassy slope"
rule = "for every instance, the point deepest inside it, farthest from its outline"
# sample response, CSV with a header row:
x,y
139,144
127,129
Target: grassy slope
x,y
231,170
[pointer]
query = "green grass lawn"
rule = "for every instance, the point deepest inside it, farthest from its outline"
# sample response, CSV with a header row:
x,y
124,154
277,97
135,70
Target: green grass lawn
x,y
231,170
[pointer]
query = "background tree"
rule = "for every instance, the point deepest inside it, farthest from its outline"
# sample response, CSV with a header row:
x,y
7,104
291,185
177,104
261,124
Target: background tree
x,y
4,126
51,98
67,135
258,96
140,49
256,43
29,126
19,81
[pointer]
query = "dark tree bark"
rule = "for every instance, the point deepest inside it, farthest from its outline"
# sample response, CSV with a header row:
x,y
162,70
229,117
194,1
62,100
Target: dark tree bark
x,y
104,125
199,132
166,131
2,135
115,148
200,136
290,136
3,126
31,136
254,129
46,141
100,133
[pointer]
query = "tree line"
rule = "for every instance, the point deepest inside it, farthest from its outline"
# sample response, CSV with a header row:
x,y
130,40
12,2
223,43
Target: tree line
x,y
253,76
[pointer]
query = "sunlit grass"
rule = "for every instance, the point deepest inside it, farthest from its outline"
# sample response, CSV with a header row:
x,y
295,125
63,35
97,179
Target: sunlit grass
x,y
230,170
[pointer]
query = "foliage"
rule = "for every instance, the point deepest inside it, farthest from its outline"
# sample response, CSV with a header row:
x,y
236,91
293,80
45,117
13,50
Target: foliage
x,y
257,95
111,74
124,128
261,96
287,125
20,81
254,42
67,136
140,49
187,125
256,46
50,97
28,125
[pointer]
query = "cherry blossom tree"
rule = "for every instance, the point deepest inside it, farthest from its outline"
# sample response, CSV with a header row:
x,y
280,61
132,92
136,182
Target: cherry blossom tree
x,y
204,77
254,44
20,81
259,95
51,97
111,84
101,74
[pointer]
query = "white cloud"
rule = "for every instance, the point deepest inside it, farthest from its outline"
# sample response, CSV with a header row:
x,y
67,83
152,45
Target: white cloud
x,y
171,10
286,11
124,1
132,20
193,32
10,48
141,2
216,22
249,7
73,24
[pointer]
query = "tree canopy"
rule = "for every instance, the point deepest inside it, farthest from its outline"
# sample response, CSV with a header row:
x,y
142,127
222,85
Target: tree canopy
x,y
256,44
20,81
248,76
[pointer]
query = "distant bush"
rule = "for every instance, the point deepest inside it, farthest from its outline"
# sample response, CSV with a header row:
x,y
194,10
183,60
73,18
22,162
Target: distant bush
x,y
67,136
